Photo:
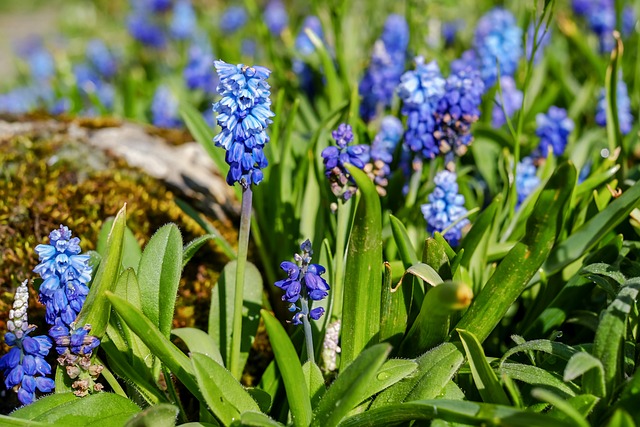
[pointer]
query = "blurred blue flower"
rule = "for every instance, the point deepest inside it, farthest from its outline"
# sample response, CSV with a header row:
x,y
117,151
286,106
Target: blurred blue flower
x,y
512,97
164,109
457,110
146,30
601,17
233,19
244,112
303,42
90,83
445,207
19,100
276,17
101,58
66,273
334,159
198,73
24,366
420,91
526,179
40,61
543,40
450,30
387,65
625,118
248,47
497,42
184,22
157,6
304,283
553,129
382,149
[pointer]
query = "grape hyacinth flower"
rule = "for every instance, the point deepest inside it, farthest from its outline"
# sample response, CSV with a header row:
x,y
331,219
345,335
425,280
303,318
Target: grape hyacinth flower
x,y
146,28
233,19
305,48
497,42
90,84
276,17
420,91
450,30
386,67
445,208
24,366
334,158
543,40
512,98
101,58
526,179
244,112
66,273
456,111
40,61
625,118
164,109
184,21
382,150
198,73
553,129
601,17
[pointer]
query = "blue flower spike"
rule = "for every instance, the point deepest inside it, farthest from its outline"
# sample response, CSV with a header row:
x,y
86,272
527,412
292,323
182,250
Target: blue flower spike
x,y
445,208
382,150
554,129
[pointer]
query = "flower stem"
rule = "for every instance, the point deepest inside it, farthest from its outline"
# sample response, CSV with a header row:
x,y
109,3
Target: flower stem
x,y
308,335
243,245
344,215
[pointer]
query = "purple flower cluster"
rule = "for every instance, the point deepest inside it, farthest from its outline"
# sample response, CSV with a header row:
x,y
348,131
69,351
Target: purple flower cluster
x,y
526,179
382,150
198,73
625,118
276,17
445,207
601,17
334,159
304,283
553,129
512,98
66,273
244,112
152,22
164,109
233,19
386,67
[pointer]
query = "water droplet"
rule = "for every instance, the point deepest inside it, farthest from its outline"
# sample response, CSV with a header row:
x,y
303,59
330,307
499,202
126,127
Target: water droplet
x,y
383,376
604,153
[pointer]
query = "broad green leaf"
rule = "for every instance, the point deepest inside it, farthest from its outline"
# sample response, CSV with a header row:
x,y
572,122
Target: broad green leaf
x,y
159,276
539,377
8,421
403,242
96,310
100,408
561,405
392,371
582,362
221,312
262,398
363,273
630,396
431,327
614,136
198,341
588,185
315,381
435,256
484,378
621,418
131,251
291,370
192,247
435,369
224,395
555,348
424,272
256,419
393,310
163,415
350,387
583,404
455,411
175,360
521,263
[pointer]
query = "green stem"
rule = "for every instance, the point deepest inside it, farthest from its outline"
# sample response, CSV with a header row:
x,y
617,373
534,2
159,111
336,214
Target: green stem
x,y
308,335
344,215
243,246
171,389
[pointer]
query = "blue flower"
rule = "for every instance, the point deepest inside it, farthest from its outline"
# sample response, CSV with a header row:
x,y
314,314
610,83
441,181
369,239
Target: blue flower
x,y
72,340
66,273
450,30
334,159
24,366
553,129
497,42
543,40
457,110
244,112
90,84
304,283
526,179
601,17
276,17
445,207
20,100
382,149
233,19
183,22
198,74
39,59
386,67
512,98
145,28
164,109
303,42
101,58
420,91
625,118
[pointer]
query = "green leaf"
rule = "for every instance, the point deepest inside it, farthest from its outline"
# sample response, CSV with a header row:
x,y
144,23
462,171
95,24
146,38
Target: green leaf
x,y
16,422
192,247
291,370
163,415
329,69
315,381
131,251
555,348
561,405
198,341
435,255
394,309
363,273
95,311
484,378
583,404
435,369
221,312
630,396
538,377
403,242
614,136
262,398
582,362
350,387
521,263
621,418
70,411
224,395
392,371
159,276
256,419
203,134
431,327
222,243
424,272
158,343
